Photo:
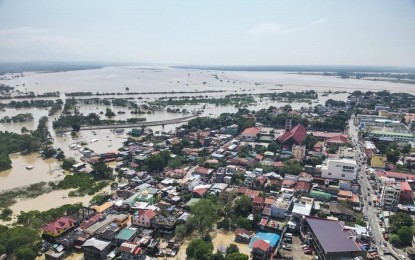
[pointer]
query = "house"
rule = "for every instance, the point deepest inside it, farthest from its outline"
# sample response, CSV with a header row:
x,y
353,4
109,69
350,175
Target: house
x,y
127,234
339,140
281,207
203,172
302,186
294,136
242,235
132,251
143,218
341,212
58,227
331,239
250,134
96,249
261,249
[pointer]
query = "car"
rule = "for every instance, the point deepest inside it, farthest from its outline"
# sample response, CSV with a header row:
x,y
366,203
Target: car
x,y
288,240
383,247
402,257
286,247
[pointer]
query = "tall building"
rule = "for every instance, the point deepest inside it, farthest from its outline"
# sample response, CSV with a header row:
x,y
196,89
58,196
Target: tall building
x,y
298,152
390,195
340,169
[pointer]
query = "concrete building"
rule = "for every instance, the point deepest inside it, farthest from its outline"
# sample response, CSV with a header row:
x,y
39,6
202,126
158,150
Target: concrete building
x,y
340,169
331,239
250,134
390,195
346,152
281,207
298,152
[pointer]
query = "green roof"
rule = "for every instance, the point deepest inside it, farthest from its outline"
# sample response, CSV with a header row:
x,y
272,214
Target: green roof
x,y
391,133
320,194
126,233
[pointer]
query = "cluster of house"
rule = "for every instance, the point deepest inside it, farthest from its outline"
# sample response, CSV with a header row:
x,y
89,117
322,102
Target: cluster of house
x,y
144,207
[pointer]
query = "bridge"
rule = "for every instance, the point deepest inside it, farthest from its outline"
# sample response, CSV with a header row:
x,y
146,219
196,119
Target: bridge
x,y
139,124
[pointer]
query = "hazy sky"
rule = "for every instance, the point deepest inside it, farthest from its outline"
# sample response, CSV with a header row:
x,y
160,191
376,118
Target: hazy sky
x,y
211,32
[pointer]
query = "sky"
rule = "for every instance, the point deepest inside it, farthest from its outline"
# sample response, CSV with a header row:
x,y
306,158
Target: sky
x,y
210,32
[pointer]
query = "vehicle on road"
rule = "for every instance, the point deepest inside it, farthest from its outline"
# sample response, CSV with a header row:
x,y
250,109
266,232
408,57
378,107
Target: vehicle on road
x,y
402,257
286,247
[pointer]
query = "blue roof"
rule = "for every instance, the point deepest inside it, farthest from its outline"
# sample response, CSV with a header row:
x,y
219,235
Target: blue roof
x,y
271,238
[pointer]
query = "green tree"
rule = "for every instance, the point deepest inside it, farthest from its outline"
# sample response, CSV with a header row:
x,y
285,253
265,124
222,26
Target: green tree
x,y
181,231
273,147
309,141
232,248
243,222
291,167
394,240
199,250
237,256
218,256
204,215
405,235
400,219
68,163
242,206
25,253
406,148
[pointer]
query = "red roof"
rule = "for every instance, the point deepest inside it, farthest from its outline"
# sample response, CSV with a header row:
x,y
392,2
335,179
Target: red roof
x,y
252,193
261,244
303,185
278,164
326,134
405,186
258,200
240,231
259,157
61,223
340,139
288,183
90,221
395,175
297,134
252,131
200,191
150,214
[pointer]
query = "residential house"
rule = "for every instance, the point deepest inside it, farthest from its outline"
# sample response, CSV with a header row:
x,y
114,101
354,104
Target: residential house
x,y
132,251
143,218
250,134
341,212
242,235
58,227
261,250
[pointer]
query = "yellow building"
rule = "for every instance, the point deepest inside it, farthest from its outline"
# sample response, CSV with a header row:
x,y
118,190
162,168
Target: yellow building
x,y
378,161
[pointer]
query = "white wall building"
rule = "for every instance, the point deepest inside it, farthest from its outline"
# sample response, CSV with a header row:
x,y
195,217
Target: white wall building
x,y
298,152
340,169
281,207
390,195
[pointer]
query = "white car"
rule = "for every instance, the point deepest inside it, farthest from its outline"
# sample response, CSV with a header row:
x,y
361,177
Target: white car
x,y
402,257
383,247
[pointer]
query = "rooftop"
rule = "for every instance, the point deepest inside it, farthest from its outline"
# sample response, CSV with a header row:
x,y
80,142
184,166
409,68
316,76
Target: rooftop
x,y
332,236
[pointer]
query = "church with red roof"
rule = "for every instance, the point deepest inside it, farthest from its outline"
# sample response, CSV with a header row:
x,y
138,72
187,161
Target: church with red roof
x,y
294,136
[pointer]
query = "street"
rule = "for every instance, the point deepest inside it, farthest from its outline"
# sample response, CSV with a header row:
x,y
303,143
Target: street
x,y
375,231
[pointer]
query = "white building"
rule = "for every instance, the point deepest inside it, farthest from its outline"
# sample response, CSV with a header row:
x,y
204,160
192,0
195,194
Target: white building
x,y
390,195
340,169
281,207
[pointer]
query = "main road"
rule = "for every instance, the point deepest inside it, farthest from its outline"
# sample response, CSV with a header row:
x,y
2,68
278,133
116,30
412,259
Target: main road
x,y
369,210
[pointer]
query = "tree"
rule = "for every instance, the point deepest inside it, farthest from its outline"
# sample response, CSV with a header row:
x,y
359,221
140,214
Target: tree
x,y
243,206
394,240
237,256
400,219
68,163
232,248
76,127
24,130
204,215
25,253
243,222
332,150
181,231
406,148
273,147
218,256
101,171
309,141
405,235
199,249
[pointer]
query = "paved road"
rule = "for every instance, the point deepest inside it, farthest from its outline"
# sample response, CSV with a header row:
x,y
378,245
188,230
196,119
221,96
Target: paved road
x,y
366,190
140,124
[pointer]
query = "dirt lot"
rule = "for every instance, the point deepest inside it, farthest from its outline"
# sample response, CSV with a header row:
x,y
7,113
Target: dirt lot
x,y
296,251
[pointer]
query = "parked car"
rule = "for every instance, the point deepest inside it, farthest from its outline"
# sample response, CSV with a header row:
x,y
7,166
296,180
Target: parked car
x,y
308,252
286,247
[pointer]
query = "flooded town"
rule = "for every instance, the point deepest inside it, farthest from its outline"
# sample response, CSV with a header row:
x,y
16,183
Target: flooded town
x,y
207,130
